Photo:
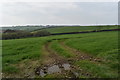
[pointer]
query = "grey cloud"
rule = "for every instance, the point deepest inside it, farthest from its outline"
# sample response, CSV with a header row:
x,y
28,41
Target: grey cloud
x,y
59,13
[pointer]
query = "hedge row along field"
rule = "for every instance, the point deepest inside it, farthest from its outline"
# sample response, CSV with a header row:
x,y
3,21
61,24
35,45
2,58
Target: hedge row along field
x,y
66,29
93,54
18,34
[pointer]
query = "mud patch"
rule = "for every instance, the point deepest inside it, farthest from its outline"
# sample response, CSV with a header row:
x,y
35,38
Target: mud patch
x,y
64,68
56,65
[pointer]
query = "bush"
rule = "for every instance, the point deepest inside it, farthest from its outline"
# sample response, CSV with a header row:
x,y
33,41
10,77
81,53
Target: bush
x,y
41,33
23,34
16,35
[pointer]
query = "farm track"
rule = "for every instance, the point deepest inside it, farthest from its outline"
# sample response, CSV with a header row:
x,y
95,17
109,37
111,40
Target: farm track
x,y
53,55
80,55
53,58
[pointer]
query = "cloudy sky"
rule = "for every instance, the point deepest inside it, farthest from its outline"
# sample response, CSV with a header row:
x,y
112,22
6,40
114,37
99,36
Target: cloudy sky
x,y
26,13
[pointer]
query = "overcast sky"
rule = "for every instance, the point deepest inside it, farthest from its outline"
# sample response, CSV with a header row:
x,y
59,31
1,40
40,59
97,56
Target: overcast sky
x,y
24,13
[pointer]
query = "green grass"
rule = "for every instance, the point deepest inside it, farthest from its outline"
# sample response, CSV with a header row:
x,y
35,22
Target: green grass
x,y
100,44
10,69
112,57
77,28
103,45
17,50
61,51
100,71
95,43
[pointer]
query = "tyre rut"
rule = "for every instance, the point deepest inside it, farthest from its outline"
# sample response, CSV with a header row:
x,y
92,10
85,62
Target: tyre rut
x,y
80,55
57,64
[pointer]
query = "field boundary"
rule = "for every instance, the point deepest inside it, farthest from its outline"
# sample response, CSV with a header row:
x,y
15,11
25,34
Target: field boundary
x,y
86,32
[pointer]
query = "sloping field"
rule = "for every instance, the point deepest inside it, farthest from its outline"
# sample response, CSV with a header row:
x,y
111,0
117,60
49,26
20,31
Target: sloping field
x,y
64,29
92,55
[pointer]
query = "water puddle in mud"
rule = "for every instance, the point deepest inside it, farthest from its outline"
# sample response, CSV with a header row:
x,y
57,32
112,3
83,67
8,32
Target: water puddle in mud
x,y
42,74
55,69
66,66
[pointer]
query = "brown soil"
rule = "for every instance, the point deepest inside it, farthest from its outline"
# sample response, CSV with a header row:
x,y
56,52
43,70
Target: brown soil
x,y
52,58
55,58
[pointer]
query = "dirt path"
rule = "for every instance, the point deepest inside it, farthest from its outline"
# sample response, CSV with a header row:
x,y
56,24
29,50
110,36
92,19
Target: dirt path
x,y
54,62
64,66
80,55
53,55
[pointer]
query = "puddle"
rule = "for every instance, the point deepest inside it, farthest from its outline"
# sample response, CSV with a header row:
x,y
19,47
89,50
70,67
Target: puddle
x,y
42,74
66,66
54,69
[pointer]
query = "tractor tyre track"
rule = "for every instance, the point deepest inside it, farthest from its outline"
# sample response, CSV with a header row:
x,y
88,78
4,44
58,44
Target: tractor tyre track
x,y
54,59
80,55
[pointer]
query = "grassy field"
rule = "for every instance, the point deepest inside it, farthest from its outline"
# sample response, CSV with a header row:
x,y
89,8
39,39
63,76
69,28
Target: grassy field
x,y
21,56
77,28
103,45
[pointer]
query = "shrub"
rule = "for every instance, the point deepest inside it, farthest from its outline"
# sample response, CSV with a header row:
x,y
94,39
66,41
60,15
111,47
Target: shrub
x,y
41,33
9,34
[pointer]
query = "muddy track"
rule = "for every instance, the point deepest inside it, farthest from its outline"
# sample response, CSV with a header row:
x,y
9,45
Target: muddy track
x,y
56,60
52,54
80,55
54,64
